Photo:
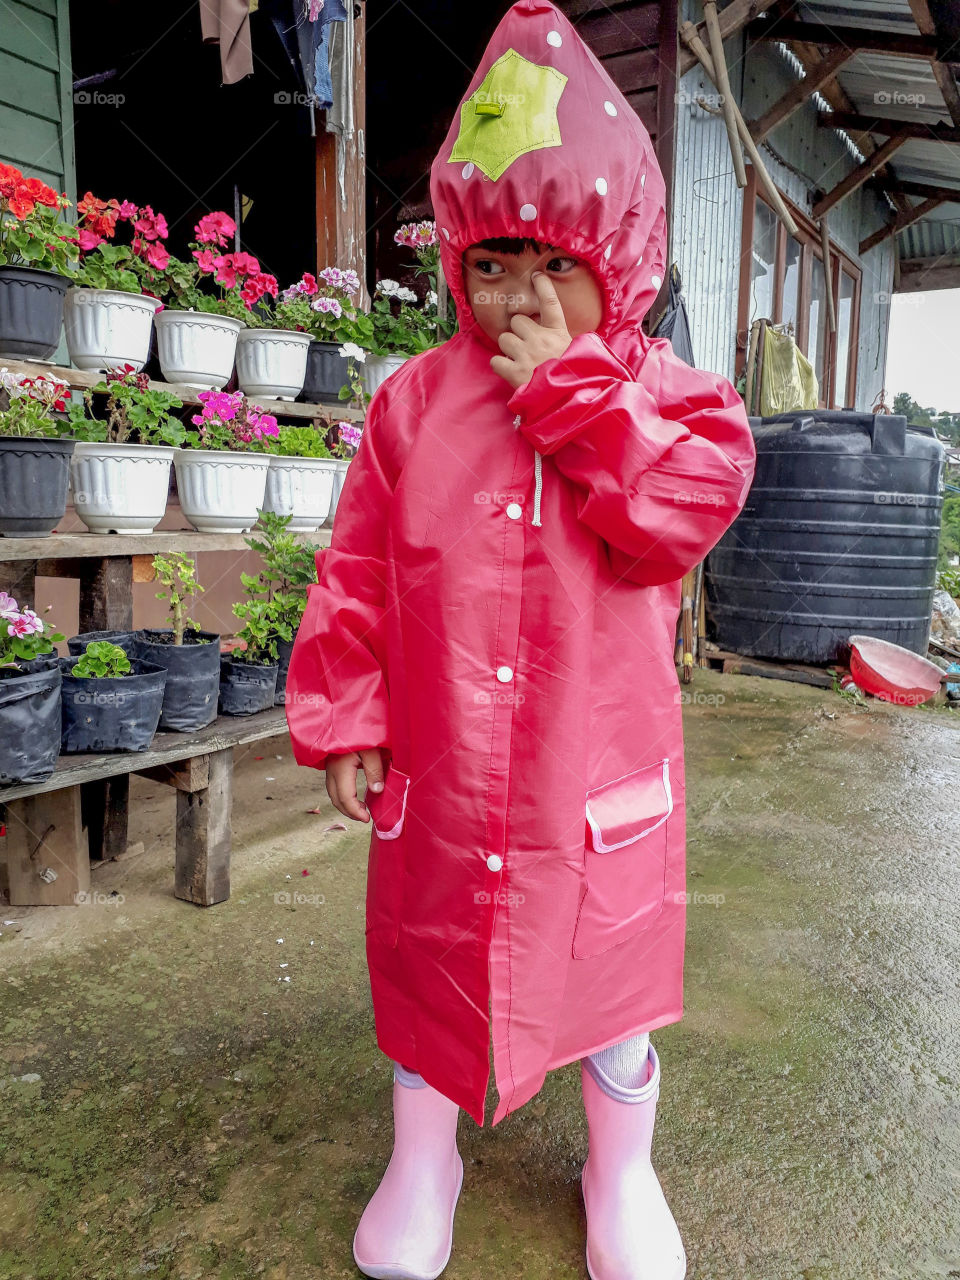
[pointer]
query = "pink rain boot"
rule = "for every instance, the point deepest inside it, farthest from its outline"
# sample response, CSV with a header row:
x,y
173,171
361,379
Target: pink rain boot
x,y
406,1230
631,1234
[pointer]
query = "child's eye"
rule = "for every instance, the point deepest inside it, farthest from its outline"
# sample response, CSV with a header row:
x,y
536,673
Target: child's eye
x,y
487,267
560,266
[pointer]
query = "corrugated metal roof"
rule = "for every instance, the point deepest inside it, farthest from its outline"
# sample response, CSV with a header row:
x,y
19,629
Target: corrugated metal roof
x,y
898,87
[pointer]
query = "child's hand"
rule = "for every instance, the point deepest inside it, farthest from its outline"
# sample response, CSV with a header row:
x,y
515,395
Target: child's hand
x,y
527,344
341,780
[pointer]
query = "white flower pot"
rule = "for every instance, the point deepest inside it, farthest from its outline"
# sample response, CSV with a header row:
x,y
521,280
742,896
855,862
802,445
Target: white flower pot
x,y
197,349
272,362
301,488
377,369
342,464
220,491
106,328
120,488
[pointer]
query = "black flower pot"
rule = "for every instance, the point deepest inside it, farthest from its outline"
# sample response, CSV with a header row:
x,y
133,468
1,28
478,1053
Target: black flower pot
x,y
29,721
33,484
128,641
193,676
110,713
284,649
246,687
31,312
327,372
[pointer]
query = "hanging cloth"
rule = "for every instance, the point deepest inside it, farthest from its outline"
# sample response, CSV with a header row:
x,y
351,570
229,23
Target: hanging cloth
x,y
675,323
227,23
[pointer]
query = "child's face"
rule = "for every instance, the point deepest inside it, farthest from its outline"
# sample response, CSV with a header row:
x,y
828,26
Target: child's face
x,y
499,287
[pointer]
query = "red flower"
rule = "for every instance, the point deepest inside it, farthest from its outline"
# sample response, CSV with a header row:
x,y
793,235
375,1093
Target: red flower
x,y
154,253
10,179
22,204
127,210
309,283
41,193
215,228
150,225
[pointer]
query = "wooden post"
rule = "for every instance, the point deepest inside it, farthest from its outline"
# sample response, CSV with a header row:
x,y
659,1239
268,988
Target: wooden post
x,y
828,275
44,834
723,84
204,835
17,579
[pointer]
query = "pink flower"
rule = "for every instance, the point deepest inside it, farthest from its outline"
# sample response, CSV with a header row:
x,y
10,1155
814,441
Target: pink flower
x,y
350,433
8,606
308,284
127,210
25,624
150,225
89,239
207,260
330,305
152,252
350,282
215,228
332,276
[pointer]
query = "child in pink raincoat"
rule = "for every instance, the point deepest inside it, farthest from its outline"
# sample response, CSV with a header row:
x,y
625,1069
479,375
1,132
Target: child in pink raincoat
x,y
491,642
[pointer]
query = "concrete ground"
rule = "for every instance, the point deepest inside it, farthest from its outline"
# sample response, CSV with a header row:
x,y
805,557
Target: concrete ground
x,y
172,1108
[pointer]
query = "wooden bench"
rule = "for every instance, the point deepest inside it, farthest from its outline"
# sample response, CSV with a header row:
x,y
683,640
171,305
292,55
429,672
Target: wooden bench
x,y
79,814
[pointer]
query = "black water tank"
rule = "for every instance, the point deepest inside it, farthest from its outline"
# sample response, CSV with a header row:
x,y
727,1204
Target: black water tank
x,y
838,536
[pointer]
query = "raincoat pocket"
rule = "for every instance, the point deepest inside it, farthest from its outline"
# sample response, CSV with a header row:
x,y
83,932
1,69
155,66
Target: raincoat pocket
x,y
386,862
625,858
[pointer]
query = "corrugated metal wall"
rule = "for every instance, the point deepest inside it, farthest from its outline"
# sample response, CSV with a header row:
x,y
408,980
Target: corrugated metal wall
x,y
708,207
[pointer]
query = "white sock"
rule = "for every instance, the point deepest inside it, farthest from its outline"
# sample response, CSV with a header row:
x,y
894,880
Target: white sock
x,y
411,1079
622,1069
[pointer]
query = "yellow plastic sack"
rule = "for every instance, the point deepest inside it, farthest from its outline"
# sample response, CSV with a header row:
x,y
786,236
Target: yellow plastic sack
x,y
787,379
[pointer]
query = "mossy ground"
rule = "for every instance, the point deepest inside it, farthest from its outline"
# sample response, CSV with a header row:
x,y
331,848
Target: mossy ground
x,y
172,1110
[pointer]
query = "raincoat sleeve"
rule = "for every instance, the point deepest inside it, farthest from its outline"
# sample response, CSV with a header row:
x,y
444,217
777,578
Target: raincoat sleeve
x,y
664,458
337,698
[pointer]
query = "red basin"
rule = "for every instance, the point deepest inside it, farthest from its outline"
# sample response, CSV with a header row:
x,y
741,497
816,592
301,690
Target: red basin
x,y
890,672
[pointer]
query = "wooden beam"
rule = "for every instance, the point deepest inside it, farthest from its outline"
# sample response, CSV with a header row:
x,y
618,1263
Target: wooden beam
x,y
943,73
852,38
202,872
898,224
857,177
726,94
733,18
924,274
884,124
795,97
925,190
827,275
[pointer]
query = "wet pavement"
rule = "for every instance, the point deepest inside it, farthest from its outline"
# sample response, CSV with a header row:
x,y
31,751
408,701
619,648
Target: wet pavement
x,y
172,1107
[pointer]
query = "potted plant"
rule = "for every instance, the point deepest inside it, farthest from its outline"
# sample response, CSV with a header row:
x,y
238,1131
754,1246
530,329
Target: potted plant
x,y
37,250
325,309
29,695
128,641
109,702
222,471
120,470
197,330
108,316
191,657
34,454
403,326
248,675
289,567
438,305
300,477
272,350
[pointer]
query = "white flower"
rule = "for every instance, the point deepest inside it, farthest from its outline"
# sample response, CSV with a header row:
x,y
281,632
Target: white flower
x,y
352,352
432,298
406,295
388,287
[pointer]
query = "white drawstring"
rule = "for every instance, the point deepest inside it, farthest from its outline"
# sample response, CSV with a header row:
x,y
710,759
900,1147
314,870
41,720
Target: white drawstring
x,y
538,480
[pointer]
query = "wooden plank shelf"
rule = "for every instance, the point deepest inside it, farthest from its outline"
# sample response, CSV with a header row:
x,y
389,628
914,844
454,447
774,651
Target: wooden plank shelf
x,y
49,851
80,380
76,546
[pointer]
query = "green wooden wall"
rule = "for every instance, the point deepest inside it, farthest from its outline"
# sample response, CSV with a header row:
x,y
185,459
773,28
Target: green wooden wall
x,y
36,91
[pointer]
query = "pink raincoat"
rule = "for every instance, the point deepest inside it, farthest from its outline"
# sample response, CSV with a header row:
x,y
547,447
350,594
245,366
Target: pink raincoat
x,y
498,609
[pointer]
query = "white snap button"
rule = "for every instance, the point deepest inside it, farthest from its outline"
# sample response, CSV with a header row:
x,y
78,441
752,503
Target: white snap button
x,y
504,674
494,862
514,510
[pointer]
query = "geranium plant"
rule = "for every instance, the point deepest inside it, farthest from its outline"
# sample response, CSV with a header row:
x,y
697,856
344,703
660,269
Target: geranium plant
x,y
400,327
352,389
102,660
28,405
23,635
348,439
136,414
242,282
177,574
325,307
107,264
32,233
422,238
228,420
300,442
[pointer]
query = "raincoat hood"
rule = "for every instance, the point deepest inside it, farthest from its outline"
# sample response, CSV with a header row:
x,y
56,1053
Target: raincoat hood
x,y
545,146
